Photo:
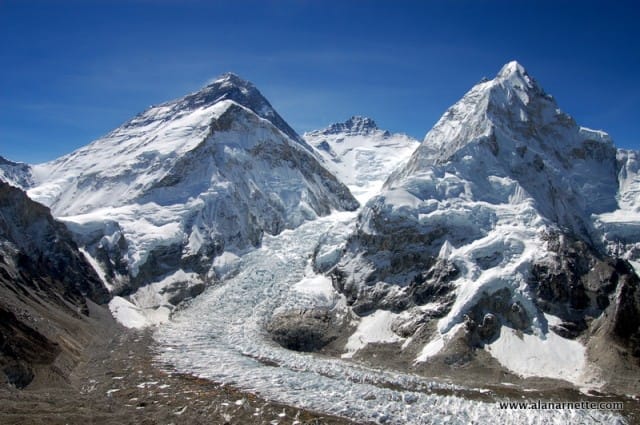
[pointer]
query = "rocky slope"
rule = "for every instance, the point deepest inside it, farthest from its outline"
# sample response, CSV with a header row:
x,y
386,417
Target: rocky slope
x,y
167,202
44,285
485,242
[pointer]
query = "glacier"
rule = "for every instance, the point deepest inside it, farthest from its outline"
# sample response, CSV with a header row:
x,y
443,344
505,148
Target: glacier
x,y
220,336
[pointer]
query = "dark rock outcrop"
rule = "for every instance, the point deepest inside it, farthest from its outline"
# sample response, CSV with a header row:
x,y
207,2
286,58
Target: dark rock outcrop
x,y
580,285
44,286
304,330
45,248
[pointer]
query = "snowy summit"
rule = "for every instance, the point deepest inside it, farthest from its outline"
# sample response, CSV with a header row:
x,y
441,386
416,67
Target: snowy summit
x,y
164,202
360,154
494,228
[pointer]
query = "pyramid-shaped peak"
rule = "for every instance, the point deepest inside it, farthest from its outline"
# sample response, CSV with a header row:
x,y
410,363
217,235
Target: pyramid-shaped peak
x,y
512,68
230,79
230,86
514,75
512,105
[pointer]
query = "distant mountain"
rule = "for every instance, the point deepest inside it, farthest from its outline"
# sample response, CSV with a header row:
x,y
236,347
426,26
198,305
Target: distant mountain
x,y
171,197
485,241
44,284
360,154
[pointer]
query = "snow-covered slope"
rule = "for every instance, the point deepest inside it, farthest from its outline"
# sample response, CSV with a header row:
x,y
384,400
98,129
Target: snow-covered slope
x,y
360,154
185,187
17,174
490,225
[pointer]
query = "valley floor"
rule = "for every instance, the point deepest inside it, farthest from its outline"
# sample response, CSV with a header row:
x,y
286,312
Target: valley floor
x,y
118,383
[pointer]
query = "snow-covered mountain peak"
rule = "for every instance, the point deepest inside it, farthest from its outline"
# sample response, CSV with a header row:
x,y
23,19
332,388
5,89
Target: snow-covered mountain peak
x,y
514,86
230,86
515,74
232,79
508,113
361,154
356,125
493,204
186,182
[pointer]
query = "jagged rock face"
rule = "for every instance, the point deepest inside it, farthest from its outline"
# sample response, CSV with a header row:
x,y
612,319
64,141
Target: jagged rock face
x,y
44,280
430,282
579,285
498,202
355,125
186,181
35,241
620,228
626,313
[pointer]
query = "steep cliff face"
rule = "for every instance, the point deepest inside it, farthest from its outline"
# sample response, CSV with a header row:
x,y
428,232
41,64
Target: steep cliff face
x,y
44,286
488,231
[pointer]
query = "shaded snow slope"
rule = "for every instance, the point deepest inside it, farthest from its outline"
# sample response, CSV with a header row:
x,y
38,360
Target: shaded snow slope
x,y
492,219
186,182
360,154
17,174
621,227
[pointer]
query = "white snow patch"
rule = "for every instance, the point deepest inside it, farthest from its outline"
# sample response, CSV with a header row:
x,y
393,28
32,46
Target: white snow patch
x,y
436,344
150,305
225,263
317,286
431,349
127,314
98,269
636,266
375,328
547,355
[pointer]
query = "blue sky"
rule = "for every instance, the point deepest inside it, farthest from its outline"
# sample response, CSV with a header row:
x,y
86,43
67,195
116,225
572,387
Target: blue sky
x,y
71,71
